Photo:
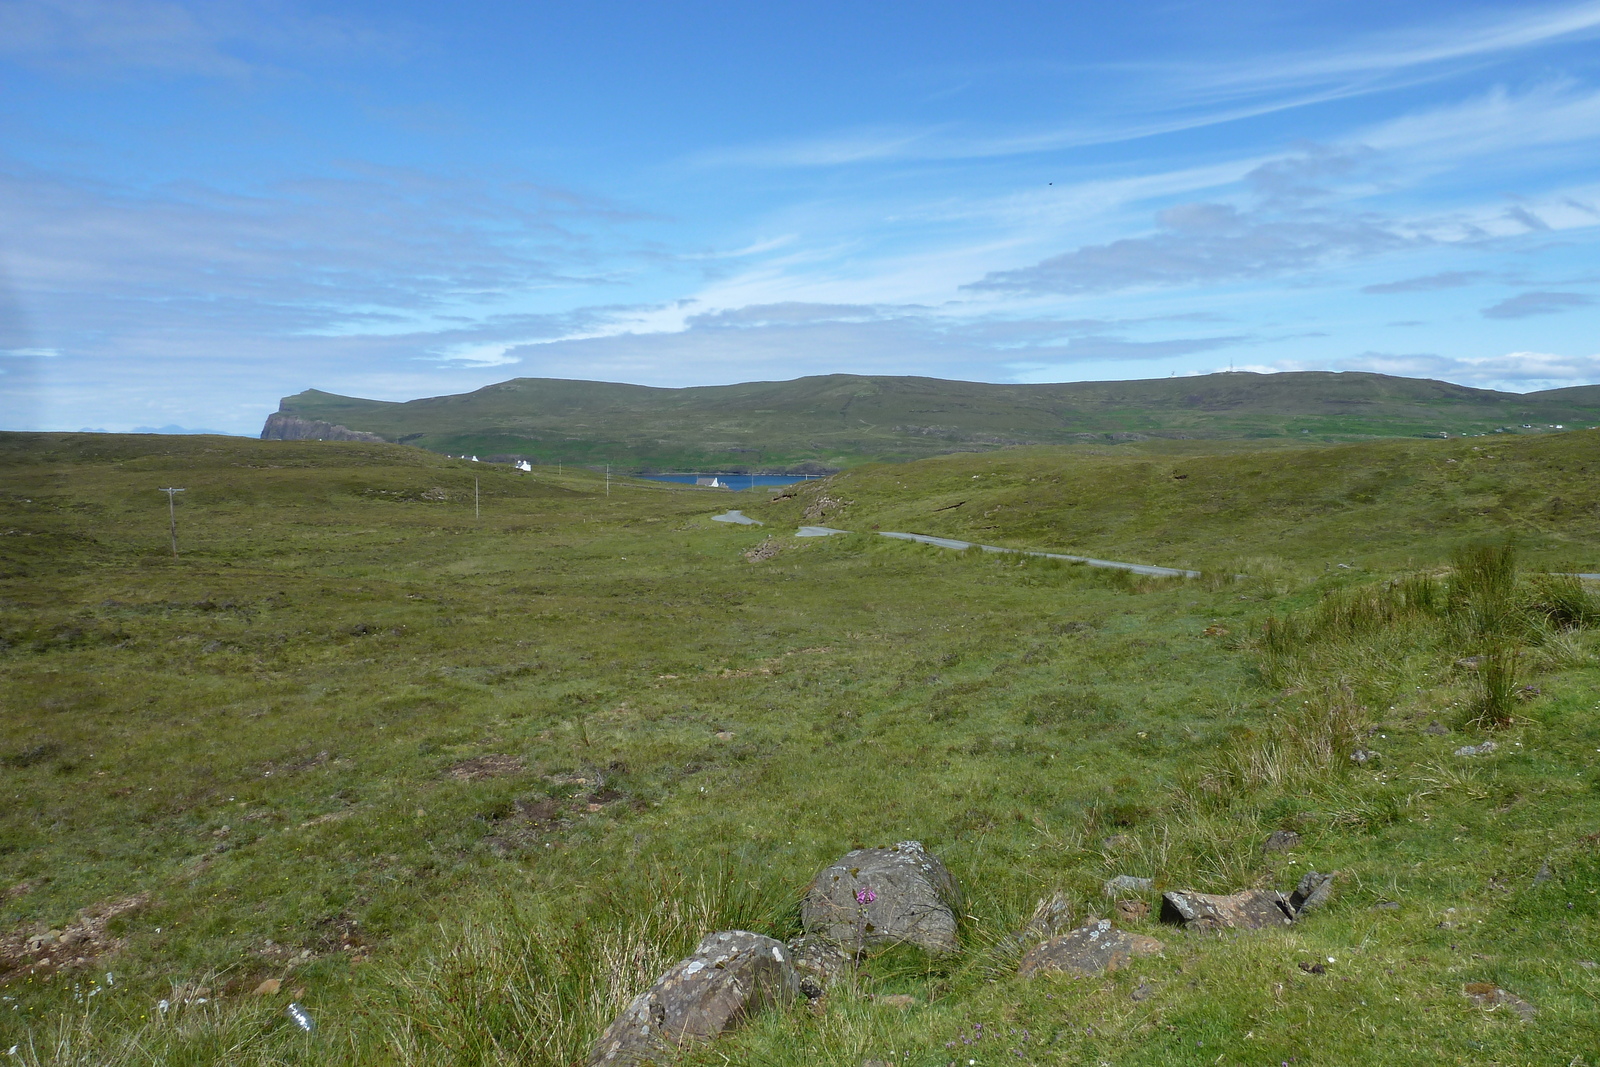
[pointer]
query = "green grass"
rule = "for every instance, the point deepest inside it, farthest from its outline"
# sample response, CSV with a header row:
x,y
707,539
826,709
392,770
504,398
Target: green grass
x,y
1377,506
333,650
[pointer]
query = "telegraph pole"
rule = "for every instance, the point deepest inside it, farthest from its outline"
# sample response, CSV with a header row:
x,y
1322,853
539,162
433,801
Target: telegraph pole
x,y
172,516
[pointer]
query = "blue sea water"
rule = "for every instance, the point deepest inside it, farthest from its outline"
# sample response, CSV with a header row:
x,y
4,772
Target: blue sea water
x,y
736,482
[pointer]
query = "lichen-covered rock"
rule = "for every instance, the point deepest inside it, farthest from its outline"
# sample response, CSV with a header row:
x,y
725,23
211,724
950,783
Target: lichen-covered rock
x,y
1095,948
1250,909
885,896
731,975
820,962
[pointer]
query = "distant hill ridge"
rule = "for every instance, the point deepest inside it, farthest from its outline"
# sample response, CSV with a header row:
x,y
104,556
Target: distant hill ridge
x,y
839,420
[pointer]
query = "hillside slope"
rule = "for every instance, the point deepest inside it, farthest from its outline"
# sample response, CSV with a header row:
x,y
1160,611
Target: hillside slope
x,y
835,421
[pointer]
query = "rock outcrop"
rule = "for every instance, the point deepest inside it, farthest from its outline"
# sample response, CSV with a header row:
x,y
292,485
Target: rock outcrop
x,y
284,427
731,975
885,896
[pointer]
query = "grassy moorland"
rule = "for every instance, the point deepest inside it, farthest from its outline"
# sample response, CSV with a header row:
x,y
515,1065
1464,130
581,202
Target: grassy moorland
x,y
463,785
843,420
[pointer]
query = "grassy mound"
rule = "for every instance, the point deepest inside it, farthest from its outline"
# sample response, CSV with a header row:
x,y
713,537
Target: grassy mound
x,y
463,784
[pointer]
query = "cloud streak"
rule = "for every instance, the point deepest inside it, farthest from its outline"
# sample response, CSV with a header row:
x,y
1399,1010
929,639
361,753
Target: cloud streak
x,y
223,38
1449,279
1525,305
1204,243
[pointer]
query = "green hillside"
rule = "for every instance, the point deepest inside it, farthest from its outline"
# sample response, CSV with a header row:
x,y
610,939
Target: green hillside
x,y
460,759
837,421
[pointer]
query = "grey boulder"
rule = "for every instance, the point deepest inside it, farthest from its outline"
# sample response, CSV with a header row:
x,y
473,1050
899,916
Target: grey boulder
x,y
732,975
885,896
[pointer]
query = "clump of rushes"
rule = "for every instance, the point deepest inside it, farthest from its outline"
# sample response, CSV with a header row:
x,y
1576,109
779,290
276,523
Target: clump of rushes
x,y
1562,601
1497,688
1482,595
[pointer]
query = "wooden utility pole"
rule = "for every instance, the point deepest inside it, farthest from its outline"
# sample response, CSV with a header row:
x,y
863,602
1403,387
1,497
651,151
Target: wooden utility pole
x,y
172,517
476,513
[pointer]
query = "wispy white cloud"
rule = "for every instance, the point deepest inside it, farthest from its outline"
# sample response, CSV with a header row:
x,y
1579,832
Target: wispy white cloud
x,y
1375,58
217,38
1177,98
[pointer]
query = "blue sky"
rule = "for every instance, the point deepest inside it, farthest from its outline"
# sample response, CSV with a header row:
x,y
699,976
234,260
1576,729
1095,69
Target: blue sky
x,y
206,206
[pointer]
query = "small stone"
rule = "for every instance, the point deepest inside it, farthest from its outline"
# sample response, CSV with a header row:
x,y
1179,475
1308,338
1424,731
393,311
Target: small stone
x,y
1092,949
1588,965
1142,991
1388,905
1361,757
1250,909
724,735
1117,841
1435,730
895,1000
1469,663
1312,892
1544,875
1313,968
1127,883
269,987
1132,911
1490,996
1477,750
1281,841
